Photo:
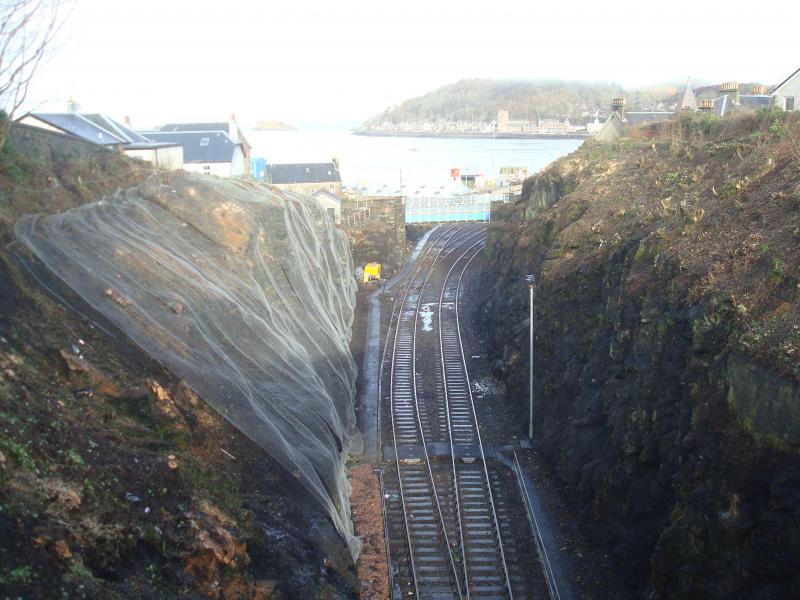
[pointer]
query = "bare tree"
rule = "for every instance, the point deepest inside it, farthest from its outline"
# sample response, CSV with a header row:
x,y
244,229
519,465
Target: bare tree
x,y
27,29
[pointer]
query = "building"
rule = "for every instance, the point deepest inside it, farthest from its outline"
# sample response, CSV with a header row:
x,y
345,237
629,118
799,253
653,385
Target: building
x,y
689,100
331,203
106,132
502,121
785,94
306,178
232,128
206,152
731,99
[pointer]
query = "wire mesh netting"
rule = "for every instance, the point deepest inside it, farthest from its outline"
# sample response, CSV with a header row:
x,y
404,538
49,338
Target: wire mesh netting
x,y
243,291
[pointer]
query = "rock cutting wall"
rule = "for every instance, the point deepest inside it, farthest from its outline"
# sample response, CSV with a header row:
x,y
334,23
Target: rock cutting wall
x,y
244,292
666,331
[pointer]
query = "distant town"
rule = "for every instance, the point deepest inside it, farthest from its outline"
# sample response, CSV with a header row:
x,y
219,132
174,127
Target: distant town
x,y
721,100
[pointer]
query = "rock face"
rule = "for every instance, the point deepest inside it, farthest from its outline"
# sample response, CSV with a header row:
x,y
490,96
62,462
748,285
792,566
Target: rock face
x,y
666,345
245,293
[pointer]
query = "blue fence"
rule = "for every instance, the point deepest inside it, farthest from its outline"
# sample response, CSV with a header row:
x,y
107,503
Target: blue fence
x,y
450,208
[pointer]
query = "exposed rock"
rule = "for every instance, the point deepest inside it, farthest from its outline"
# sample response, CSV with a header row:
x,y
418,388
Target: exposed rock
x,y
666,378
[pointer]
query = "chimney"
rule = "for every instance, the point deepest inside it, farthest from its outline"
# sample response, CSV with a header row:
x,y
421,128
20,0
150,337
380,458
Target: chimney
x,y
618,106
233,128
731,90
126,120
72,106
706,106
759,90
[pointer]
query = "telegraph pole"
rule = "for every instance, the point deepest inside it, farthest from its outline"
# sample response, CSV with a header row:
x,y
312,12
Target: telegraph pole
x,y
531,280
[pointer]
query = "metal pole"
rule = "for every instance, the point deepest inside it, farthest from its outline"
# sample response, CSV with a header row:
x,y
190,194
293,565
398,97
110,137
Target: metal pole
x,y
530,280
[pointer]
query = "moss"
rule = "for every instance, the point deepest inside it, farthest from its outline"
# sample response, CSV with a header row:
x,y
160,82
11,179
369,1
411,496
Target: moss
x,y
765,406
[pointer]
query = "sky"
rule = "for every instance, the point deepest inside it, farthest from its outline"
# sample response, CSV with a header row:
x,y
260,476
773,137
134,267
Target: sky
x,y
341,62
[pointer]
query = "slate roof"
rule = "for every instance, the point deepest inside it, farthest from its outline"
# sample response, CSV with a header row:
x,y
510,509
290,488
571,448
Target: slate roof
x,y
83,127
198,146
216,126
636,118
97,129
221,126
721,106
303,173
755,101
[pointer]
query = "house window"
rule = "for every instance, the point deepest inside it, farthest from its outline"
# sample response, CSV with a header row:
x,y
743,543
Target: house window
x,y
204,141
789,102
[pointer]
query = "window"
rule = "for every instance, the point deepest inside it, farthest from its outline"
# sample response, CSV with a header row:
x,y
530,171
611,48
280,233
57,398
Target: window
x,y
789,102
204,141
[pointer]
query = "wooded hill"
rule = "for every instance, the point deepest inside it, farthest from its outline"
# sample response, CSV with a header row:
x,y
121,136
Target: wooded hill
x,y
480,99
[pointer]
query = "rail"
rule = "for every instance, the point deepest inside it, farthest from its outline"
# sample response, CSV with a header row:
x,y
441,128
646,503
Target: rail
x,y
544,559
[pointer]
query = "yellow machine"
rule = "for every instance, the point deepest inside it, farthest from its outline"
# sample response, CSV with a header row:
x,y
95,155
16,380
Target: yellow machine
x,y
372,271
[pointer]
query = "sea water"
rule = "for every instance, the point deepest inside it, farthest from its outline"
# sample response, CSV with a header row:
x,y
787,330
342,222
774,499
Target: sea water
x,y
421,164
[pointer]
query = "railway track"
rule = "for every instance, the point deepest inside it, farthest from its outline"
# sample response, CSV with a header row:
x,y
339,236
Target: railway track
x,y
451,515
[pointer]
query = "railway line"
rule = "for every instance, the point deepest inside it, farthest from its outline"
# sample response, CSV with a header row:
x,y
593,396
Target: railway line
x,y
452,511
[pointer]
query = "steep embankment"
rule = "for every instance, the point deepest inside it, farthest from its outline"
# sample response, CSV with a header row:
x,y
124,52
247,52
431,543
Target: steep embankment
x,y
667,336
117,480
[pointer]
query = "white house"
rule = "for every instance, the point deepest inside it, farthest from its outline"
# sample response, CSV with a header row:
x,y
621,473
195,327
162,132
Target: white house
x,y
205,152
786,93
331,203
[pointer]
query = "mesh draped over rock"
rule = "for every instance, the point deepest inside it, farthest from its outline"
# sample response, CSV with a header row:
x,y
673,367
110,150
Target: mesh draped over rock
x,y
245,292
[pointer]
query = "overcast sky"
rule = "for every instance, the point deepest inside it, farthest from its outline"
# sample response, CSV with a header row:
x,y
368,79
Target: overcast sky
x,y
343,61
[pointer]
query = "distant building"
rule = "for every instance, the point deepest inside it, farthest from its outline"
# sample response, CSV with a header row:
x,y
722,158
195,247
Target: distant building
x,y
612,129
105,131
502,121
689,100
731,99
205,152
785,93
331,203
306,178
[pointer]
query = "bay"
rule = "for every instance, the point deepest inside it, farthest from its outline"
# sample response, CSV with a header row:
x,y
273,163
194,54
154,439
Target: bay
x,y
376,163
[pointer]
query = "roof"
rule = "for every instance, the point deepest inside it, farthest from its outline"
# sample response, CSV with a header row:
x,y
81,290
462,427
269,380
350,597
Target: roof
x,y
721,106
755,101
97,129
303,173
199,146
611,129
328,195
635,118
84,127
221,126
689,100
214,126
785,81
115,127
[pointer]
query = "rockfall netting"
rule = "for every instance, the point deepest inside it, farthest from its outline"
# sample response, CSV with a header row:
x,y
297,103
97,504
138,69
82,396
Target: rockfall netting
x,y
243,291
